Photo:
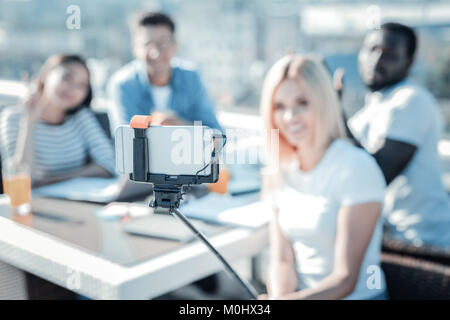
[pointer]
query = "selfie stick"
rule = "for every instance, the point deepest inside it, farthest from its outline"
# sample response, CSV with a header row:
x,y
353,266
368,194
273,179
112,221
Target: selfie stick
x,y
245,285
168,194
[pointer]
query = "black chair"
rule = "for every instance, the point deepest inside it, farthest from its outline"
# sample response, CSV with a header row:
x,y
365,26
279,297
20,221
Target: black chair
x,y
424,252
410,278
1,176
16,284
103,119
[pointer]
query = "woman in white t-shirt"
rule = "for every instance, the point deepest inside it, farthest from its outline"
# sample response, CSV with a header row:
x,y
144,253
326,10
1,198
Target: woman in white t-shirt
x,y
327,194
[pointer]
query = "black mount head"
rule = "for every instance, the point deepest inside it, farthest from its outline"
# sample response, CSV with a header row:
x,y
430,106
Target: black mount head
x,y
167,196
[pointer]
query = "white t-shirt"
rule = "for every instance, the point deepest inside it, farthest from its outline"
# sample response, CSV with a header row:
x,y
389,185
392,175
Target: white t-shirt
x,y
417,207
309,204
161,97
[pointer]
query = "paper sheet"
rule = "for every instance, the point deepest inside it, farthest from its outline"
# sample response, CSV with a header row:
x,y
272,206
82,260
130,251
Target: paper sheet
x,y
244,211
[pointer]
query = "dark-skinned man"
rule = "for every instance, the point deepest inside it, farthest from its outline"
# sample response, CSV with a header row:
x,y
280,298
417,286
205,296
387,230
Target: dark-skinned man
x,y
400,125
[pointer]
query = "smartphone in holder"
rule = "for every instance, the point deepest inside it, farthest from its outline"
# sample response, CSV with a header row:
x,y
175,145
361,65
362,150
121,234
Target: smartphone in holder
x,y
169,157
172,150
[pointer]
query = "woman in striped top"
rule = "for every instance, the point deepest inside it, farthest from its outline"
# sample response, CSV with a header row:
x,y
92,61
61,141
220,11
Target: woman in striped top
x,y
55,132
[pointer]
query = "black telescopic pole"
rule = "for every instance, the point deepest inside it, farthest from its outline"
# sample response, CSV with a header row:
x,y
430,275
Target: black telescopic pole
x,y
246,286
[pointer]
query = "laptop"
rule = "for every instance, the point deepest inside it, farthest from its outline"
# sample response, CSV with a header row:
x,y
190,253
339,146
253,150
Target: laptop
x,y
99,190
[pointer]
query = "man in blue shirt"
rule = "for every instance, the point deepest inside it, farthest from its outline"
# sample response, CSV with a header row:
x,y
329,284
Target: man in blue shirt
x,y
155,83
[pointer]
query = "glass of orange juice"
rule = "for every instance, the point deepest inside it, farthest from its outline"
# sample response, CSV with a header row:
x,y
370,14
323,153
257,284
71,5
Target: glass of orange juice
x,y
17,185
221,186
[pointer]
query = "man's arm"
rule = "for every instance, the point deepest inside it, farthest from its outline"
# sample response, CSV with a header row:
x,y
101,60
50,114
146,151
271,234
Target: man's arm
x,y
393,157
204,106
349,132
124,104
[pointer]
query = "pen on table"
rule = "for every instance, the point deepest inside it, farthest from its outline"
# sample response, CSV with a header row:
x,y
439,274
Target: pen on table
x,y
57,217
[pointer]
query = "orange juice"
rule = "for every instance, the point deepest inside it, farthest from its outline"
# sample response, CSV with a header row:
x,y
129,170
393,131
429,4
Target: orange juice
x,y
26,220
18,188
221,186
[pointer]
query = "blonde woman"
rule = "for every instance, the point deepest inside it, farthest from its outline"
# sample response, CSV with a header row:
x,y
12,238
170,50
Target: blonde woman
x,y
325,238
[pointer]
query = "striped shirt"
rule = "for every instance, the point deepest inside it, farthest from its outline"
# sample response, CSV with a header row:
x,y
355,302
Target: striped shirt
x,y
58,148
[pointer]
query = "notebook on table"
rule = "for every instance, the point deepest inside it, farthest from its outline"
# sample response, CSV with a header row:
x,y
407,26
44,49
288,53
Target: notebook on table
x,y
101,190
163,226
242,211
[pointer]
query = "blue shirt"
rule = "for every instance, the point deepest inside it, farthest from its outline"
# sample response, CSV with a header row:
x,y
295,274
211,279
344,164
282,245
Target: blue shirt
x,y
130,92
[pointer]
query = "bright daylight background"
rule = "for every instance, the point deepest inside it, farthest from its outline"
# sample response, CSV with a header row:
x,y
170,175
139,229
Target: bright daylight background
x,y
232,42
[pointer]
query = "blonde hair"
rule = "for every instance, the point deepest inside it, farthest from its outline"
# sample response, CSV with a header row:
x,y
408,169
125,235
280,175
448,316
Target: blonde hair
x,y
313,74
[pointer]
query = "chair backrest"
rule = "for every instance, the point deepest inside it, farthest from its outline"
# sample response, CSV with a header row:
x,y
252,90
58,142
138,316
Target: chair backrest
x,y
1,177
103,119
13,284
424,252
415,279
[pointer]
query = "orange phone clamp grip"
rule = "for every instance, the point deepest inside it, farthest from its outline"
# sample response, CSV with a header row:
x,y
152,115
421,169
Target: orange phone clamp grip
x,y
140,148
140,122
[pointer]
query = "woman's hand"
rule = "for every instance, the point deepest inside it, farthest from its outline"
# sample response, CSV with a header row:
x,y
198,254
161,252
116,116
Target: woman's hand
x,y
338,81
282,276
33,111
265,296
33,105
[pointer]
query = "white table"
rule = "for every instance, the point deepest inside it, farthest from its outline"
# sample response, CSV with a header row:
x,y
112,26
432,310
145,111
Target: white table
x,y
92,274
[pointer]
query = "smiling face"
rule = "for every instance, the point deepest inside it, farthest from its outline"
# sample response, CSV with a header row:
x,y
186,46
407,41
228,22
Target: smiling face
x,y
383,59
67,85
156,46
294,113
